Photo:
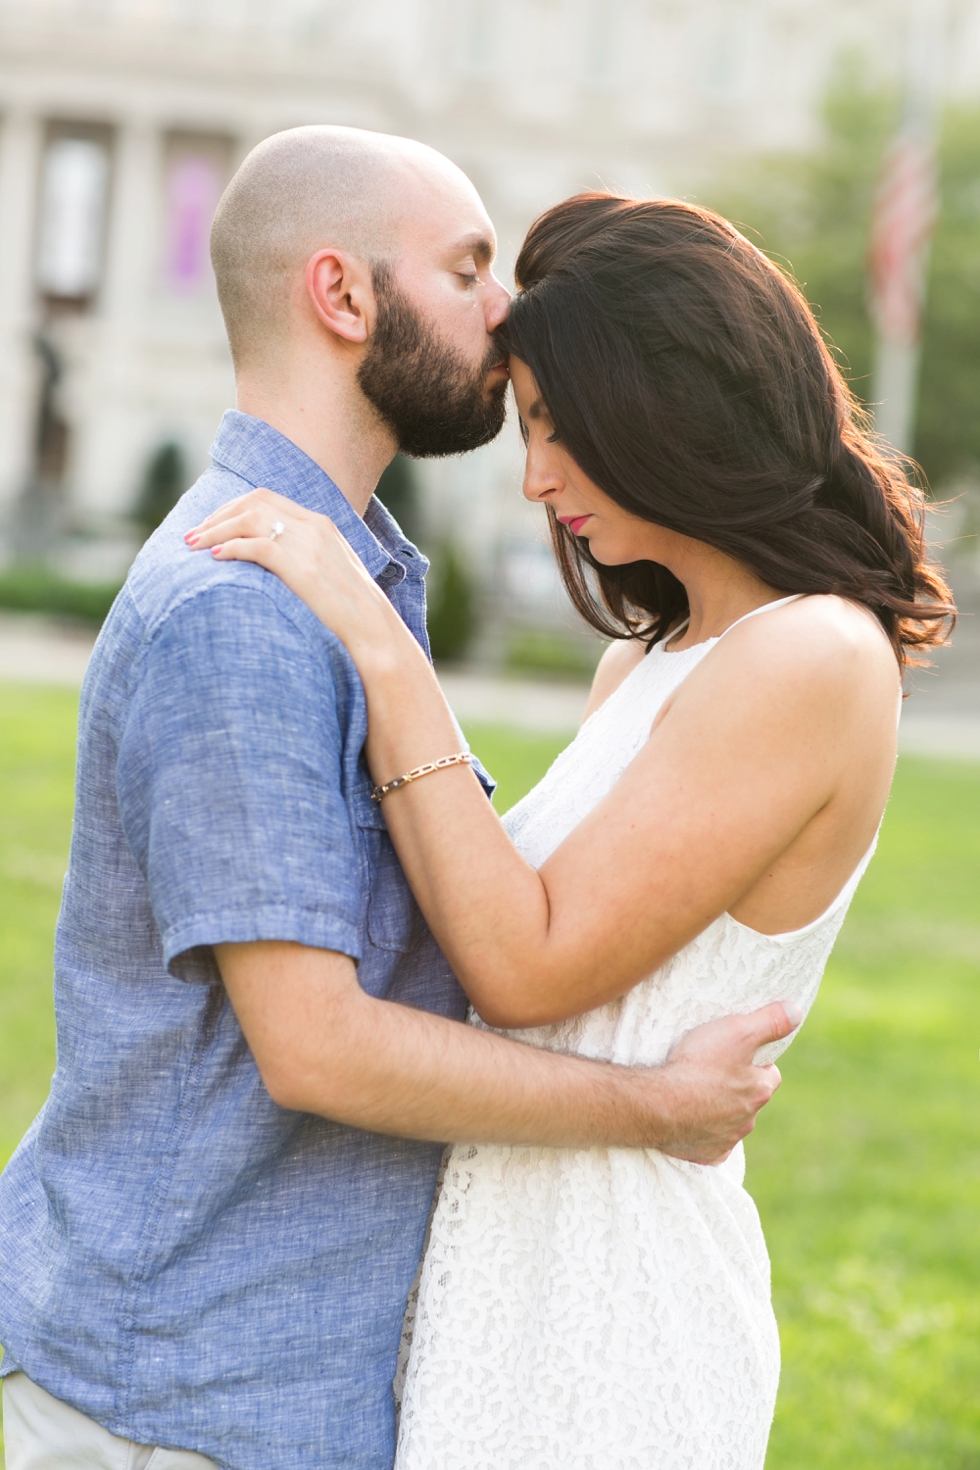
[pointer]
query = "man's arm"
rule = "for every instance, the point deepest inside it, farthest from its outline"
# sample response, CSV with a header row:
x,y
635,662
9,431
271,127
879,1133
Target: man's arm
x,y
323,1046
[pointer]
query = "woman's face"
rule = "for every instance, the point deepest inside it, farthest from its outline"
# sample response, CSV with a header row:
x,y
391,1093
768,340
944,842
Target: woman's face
x,y
552,476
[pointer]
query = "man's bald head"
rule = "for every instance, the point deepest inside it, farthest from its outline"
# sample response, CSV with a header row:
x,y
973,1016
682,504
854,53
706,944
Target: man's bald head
x,y
306,190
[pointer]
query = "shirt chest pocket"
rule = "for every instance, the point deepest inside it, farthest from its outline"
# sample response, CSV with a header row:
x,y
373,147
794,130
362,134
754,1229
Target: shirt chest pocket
x,y
394,920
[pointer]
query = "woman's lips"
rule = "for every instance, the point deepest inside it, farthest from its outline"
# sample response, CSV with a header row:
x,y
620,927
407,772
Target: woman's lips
x,y
575,523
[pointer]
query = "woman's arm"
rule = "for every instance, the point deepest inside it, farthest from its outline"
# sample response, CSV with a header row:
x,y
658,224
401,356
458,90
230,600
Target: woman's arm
x,y
747,754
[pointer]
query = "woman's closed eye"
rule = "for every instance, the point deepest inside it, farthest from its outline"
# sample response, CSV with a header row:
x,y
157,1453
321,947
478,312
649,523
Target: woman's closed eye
x,y
553,438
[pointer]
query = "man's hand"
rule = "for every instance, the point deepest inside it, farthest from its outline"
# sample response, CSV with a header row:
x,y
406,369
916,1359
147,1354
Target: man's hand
x,y
713,1090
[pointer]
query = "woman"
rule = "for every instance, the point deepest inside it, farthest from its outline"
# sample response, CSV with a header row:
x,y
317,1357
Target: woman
x,y
717,510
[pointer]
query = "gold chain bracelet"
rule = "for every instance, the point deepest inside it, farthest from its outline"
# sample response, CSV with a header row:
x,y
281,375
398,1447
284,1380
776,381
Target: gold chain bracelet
x,y
462,759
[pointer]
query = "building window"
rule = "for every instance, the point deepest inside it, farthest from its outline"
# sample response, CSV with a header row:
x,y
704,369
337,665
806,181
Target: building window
x,y
71,226
196,173
600,67
477,37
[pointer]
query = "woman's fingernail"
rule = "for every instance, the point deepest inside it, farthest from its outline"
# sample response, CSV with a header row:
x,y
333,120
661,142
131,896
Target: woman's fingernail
x,y
215,550
793,1013
192,538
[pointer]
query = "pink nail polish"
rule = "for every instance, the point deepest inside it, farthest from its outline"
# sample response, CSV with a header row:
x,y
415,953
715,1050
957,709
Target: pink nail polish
x,y
215,550
192,538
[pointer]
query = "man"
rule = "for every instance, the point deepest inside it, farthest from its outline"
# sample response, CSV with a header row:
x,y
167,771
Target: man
x,y
209,1233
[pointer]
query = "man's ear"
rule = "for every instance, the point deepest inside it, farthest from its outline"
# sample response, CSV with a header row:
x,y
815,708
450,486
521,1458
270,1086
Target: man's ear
x,y
341,292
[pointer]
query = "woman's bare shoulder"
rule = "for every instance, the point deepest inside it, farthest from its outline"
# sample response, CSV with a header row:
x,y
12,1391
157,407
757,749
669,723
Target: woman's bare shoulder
x,y
826,648
818,629
618,661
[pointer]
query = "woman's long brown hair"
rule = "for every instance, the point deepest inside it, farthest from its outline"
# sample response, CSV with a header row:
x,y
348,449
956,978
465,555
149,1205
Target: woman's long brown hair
x,y
686,375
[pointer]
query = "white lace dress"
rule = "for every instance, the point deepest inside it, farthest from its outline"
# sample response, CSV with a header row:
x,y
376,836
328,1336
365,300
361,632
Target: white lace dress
x,y
607,1309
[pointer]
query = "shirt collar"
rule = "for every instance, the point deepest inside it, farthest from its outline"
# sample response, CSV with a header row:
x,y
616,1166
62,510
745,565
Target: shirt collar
x,y
260,455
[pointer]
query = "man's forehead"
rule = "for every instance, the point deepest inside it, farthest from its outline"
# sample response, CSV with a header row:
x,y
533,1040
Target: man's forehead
x,y
443,208
450,235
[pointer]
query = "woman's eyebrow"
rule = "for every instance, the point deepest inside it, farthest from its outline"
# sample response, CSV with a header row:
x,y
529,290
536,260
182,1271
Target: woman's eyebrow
x,y
537,410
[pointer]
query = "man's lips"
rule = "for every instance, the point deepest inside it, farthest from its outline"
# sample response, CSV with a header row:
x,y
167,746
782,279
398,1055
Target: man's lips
x,y
575,523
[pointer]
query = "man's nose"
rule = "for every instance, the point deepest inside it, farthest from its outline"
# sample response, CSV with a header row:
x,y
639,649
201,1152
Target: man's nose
x,y
498,304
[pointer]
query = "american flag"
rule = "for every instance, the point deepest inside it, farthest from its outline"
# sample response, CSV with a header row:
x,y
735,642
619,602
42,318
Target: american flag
x,y
905,211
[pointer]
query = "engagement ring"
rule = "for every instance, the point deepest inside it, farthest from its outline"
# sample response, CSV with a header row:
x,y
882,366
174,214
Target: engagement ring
x,y
277,530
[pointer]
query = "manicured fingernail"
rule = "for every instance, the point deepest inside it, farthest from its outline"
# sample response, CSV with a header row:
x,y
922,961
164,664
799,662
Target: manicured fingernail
x,y
215,550
192,538
793,1013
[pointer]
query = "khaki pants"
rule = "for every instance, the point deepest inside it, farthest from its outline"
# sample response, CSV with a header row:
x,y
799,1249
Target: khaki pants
x,y
41,1433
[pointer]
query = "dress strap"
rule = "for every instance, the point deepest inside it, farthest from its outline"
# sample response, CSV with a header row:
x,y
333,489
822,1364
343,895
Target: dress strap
x,y
766,607
669,637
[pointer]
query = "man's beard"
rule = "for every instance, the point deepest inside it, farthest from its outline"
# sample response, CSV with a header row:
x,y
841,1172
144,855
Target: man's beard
x,y
423,388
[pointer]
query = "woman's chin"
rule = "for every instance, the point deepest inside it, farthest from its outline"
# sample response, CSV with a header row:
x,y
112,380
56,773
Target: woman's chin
x,y
608,556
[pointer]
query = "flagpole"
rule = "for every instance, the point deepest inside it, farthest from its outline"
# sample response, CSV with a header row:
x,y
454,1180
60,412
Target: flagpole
x,y
905,213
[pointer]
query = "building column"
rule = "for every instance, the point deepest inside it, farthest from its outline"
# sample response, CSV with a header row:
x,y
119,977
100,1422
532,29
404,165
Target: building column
x,y
21,136
134,223
111,406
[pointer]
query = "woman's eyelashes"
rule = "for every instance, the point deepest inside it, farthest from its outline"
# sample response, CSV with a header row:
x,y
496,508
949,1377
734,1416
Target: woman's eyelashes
x,y
553,438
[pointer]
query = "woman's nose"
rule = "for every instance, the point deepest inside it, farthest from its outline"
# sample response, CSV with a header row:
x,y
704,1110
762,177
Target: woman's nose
x,y
540,479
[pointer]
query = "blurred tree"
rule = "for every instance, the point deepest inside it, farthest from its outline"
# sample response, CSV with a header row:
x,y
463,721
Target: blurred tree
x,y
398,493
452,605
812,213
948,437
164,482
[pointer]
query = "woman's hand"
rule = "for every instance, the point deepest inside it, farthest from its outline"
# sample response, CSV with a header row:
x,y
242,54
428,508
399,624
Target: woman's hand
x,y
314,560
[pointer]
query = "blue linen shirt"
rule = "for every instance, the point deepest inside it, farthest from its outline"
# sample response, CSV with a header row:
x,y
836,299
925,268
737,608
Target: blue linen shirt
x,y
181,1259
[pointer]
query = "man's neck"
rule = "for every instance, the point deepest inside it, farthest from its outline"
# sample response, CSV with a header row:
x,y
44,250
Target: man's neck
x,y
334,425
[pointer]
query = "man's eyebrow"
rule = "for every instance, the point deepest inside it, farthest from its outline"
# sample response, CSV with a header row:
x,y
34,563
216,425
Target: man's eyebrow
x,y
482,247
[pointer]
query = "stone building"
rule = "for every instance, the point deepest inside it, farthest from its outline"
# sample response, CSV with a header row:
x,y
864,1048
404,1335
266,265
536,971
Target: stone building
x,y
120,121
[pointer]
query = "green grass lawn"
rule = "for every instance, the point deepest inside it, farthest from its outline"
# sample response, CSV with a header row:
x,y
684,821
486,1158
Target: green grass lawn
x,y
866,1167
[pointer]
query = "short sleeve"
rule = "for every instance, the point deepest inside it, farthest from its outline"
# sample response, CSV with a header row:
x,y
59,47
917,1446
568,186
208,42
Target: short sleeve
x,y
229,780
